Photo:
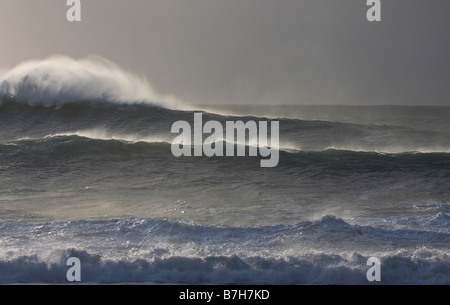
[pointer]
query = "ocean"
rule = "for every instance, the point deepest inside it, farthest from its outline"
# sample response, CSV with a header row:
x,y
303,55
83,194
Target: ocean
x,y
96,179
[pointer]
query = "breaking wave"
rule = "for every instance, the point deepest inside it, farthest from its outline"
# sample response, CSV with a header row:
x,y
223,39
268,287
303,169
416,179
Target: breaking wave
x,y
60,80
176,251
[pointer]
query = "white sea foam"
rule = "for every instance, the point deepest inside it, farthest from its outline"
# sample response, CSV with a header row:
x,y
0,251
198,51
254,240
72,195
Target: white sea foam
x,y
391,149
326,251
58,80
104,134
420,267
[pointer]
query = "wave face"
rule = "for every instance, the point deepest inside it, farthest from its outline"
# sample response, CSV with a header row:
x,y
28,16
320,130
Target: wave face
x,y
86,170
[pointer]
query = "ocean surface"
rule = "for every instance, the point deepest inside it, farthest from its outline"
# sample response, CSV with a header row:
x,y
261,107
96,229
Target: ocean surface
x,y
95,178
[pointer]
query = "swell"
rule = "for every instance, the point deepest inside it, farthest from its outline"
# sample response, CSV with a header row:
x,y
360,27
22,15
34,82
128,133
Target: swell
x,y
400,232
102,138
97,144
143,121
21,121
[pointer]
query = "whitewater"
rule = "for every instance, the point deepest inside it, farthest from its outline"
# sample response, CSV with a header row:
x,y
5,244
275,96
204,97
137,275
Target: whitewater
x,y
86,170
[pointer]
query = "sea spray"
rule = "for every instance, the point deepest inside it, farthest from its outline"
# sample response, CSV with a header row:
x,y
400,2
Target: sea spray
x,y
59,80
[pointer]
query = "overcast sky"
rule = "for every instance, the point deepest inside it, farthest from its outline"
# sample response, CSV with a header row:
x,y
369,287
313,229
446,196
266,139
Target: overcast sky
x,y
250,51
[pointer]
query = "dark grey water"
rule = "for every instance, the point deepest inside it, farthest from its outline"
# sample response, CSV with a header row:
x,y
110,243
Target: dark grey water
x,y
98,180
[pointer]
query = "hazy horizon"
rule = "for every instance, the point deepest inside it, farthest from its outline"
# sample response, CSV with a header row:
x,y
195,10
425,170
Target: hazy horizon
x,y
250,51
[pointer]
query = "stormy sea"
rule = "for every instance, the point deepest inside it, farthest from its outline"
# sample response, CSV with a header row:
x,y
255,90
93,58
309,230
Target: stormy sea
x,y
87,171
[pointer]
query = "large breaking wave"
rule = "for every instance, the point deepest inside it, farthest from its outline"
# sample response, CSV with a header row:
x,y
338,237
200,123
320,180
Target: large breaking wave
x,y
59,80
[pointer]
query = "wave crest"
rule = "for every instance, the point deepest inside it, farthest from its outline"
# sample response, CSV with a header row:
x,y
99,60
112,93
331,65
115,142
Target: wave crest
x,y
59,80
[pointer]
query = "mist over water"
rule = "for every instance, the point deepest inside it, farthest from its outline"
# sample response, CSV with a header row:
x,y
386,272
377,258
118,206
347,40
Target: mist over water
x,y
86,170
58,80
